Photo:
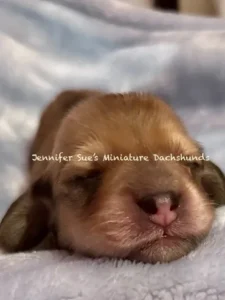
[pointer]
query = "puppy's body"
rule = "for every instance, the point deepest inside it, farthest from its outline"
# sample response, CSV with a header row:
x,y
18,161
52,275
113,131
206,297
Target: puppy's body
x,y
145,210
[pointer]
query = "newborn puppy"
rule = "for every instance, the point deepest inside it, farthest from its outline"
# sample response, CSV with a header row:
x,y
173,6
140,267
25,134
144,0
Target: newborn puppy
x,y
91,201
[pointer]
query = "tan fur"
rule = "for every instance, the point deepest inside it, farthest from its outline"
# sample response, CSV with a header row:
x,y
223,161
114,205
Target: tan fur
x,y
92,206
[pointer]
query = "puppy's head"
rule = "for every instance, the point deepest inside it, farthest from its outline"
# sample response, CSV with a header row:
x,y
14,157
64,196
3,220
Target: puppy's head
x,y
113,197
121,188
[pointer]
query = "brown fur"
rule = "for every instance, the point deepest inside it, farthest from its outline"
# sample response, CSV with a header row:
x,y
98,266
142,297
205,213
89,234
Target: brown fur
x,y
96,206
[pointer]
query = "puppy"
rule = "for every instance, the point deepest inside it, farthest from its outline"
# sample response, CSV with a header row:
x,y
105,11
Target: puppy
x,y
108,196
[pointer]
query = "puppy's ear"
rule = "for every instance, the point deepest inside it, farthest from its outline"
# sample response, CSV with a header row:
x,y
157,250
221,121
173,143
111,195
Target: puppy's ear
x,y
213,182
26,223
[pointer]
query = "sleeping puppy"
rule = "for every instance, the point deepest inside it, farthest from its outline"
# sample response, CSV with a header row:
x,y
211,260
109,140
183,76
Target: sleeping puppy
x,y
95,187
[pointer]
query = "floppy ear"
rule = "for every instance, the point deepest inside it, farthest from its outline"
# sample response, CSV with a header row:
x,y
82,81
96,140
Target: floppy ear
x,y
26,223
213,182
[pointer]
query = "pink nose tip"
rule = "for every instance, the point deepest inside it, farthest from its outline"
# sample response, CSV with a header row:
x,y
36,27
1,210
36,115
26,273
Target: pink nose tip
x,y
164,214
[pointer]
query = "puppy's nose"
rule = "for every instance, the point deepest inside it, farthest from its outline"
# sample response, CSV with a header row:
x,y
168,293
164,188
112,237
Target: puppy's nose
x,y
161,208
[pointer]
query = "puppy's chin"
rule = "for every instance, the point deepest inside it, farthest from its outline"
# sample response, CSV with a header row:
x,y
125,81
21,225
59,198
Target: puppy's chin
x,y
155,249
118,229
165,249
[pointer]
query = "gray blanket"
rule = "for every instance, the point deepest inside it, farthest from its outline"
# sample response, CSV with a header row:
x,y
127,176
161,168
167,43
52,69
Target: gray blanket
x,y
46,46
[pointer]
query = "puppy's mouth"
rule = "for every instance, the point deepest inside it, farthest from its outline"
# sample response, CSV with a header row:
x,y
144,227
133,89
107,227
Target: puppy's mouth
x,y
163,249
164,237
167,240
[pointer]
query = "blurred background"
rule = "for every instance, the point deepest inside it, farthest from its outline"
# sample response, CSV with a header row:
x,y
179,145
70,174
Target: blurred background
x,y
211,8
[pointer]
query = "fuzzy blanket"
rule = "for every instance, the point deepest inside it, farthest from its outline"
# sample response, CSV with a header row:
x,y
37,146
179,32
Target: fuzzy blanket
x,y
57,276
46,46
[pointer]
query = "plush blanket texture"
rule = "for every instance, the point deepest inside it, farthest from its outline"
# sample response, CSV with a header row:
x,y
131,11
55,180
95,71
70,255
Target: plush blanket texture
x,y
46,46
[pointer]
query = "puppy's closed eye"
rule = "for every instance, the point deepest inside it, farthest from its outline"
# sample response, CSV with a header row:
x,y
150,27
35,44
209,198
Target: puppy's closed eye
x,y
86,183
212,180
86,179
194,165
89,177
